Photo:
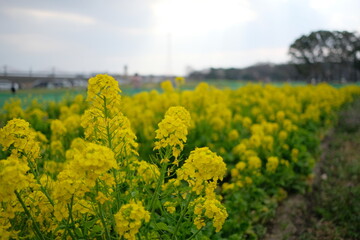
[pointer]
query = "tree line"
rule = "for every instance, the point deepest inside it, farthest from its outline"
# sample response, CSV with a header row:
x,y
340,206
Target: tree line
x,y
332,56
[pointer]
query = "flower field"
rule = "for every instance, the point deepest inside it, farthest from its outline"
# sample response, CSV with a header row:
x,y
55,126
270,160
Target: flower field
x,y
199,164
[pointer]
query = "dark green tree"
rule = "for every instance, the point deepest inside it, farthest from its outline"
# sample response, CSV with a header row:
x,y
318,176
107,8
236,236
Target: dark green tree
x,y
327,55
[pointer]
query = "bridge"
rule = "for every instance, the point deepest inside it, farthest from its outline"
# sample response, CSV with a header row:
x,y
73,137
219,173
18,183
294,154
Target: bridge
x,y
32,80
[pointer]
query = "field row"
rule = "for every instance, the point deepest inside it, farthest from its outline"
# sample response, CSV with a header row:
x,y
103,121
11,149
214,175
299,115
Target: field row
x,y
181,164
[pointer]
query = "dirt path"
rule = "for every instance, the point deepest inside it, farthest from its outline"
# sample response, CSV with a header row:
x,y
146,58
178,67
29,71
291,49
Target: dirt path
x,y
332,209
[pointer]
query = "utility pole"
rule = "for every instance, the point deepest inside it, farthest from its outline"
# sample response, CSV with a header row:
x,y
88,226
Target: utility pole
x,y
169,70
125,72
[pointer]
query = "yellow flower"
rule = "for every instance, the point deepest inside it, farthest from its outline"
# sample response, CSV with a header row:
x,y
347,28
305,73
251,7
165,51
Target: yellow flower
x,y
114,133
13,177
173,130
280,116
58,129
254,162
103,121
283,135
268,142
199,222
56,147
37,114
272,164
234,172
72,122
53,167
93,160
170,207
13,109
128,219
104,92
233,135
148,172
202,167
240,166
21,139
210,208
82,170
294,154
167,86
101,198
247,122
239,149
179,81
255,141
228,186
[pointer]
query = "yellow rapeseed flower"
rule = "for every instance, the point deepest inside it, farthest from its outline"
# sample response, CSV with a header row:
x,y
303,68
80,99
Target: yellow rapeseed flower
x,y
272,164
21,139
201,168
210,208
13,177
129,218
173,130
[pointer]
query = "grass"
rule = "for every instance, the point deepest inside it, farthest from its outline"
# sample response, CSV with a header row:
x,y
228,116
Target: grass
x,y
331,211
42,95
336,198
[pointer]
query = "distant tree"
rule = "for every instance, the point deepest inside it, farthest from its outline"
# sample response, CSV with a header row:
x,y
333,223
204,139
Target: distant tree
x,y
326,55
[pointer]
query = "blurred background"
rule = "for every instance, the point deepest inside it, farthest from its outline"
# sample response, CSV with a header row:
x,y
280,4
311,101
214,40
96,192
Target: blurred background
x,y
60,44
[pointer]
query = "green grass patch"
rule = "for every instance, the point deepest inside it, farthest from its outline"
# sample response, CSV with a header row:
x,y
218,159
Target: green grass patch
x,y
337,196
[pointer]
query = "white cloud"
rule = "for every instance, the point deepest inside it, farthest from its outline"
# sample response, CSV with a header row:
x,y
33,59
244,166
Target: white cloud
x,y
192,17
340,15
46,15
204,33
34,43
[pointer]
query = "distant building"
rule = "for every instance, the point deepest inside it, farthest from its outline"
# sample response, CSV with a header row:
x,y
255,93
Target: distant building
x,y
7,85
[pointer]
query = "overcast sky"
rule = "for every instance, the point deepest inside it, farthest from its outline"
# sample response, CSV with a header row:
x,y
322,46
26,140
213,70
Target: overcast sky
x,y
160,36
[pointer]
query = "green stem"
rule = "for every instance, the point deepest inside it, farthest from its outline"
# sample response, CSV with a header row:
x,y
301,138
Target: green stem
x,y
182,215
35,224
108,133
194,235
70,206
156,193
158,186
84,227
117,191
42,188
101,213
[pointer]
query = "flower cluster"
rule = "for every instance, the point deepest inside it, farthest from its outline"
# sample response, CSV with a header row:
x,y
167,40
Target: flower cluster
x,y
272,164
103,93
179,81
85,164
147,172
103,122
173,130
201,168
18,137
129,218
210,208
13,177
201,171
88,169
58,129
